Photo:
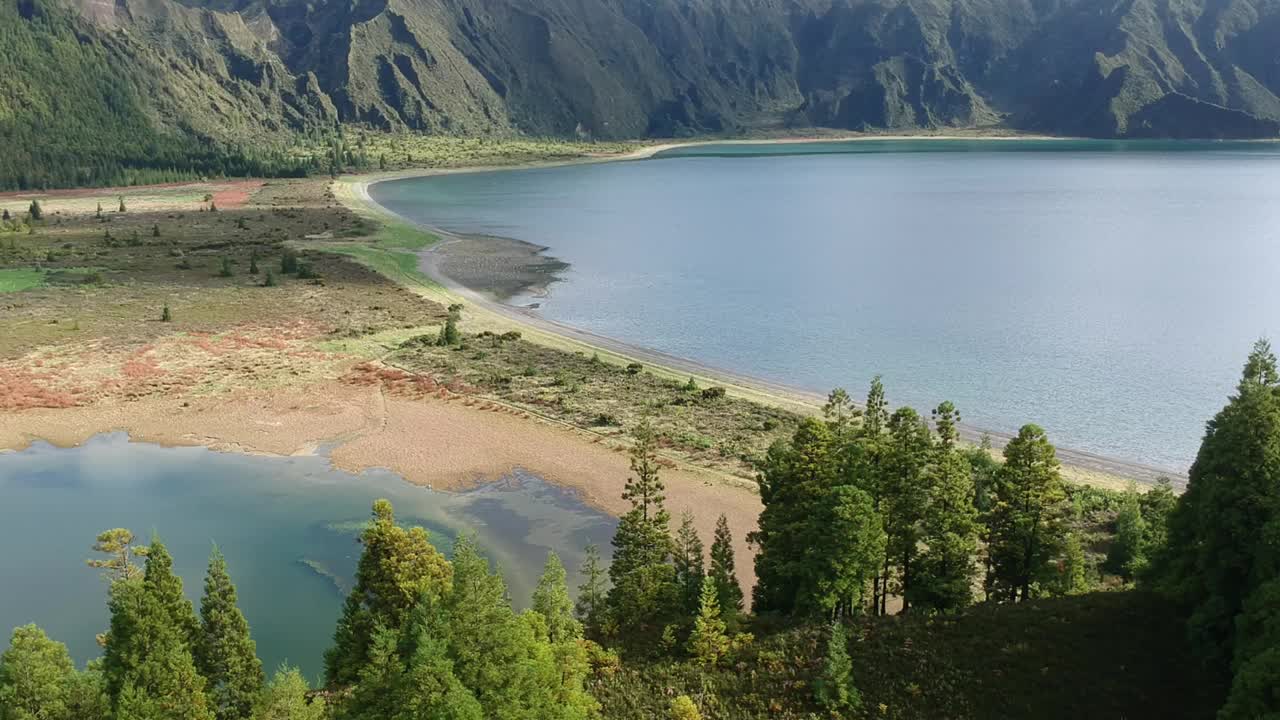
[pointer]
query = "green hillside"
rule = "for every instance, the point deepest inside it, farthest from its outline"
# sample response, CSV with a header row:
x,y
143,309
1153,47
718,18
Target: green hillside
x,y
189,85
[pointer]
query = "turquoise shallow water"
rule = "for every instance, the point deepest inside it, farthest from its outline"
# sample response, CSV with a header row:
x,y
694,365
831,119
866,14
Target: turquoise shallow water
x,y
267,515
1107,291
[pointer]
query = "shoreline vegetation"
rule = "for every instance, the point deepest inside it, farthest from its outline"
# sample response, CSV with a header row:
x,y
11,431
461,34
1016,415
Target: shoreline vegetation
x,y
522,266
279,316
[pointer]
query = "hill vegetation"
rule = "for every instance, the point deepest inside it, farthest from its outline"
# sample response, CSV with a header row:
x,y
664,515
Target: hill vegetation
x,y
898,576
148,90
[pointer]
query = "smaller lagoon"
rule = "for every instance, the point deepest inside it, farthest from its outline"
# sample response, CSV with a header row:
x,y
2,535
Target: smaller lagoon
x,y
287,526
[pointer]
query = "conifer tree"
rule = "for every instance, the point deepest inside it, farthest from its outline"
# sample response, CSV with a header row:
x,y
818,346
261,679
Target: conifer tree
x,y
819,540
117,545
36,212
688,557
500,657
949,526
724,570
834,688
708,642
643,596
147,665
37,677
1027,520
122,207
591,606
551,600
905,488
225,654
166,315
398,568
166,587
1223,540
285,698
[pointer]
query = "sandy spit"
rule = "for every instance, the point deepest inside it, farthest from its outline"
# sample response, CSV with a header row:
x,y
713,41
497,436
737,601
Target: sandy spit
x,y
447,445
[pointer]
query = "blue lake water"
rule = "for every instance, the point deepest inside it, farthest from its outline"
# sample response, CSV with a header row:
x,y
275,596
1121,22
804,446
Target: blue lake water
x,y
287,527
1107,291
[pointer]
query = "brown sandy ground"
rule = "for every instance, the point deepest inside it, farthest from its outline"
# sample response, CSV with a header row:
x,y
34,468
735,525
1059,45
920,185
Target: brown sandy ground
x,y
278,370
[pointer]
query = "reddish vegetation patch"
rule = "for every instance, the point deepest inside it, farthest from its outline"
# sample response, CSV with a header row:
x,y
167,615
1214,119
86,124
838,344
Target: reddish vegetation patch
x,y
170,365
234,195
22,390
403,383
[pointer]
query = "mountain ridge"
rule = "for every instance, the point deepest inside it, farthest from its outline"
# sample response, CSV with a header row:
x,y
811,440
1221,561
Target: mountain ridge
x,y
256,73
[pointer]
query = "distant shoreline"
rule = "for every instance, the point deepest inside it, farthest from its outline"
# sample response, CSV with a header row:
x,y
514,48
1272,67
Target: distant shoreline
x,y
1083,465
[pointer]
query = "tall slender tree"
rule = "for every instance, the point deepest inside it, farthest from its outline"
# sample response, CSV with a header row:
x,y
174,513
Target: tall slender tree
x,y
592,604
551,601
644,596
708,642
689,563
225,654
163,584
949,526
724,570
1223,543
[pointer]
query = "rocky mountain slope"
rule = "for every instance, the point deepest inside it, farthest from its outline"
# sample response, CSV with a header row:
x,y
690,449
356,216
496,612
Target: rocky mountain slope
x,y
235,71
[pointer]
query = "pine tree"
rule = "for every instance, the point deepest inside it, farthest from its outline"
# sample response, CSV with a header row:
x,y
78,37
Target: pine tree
x,y
1255,692
834,688
591,606
36,677
819,540
724,571
36,212
225,654
1213,559
643,596
551,600
708,642
1027,520
155,229
688,557
147,665
397,569
500,657
906,487
226,267
165,586
166,315
285,698
118,545
949,526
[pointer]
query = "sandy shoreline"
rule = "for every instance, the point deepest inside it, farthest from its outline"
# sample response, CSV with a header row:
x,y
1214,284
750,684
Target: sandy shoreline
x,y
1078,464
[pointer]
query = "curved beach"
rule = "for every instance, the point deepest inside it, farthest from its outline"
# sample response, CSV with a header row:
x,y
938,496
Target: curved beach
x,y
485,309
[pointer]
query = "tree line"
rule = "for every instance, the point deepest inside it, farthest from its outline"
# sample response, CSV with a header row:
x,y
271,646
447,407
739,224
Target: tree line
x,y
866,511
